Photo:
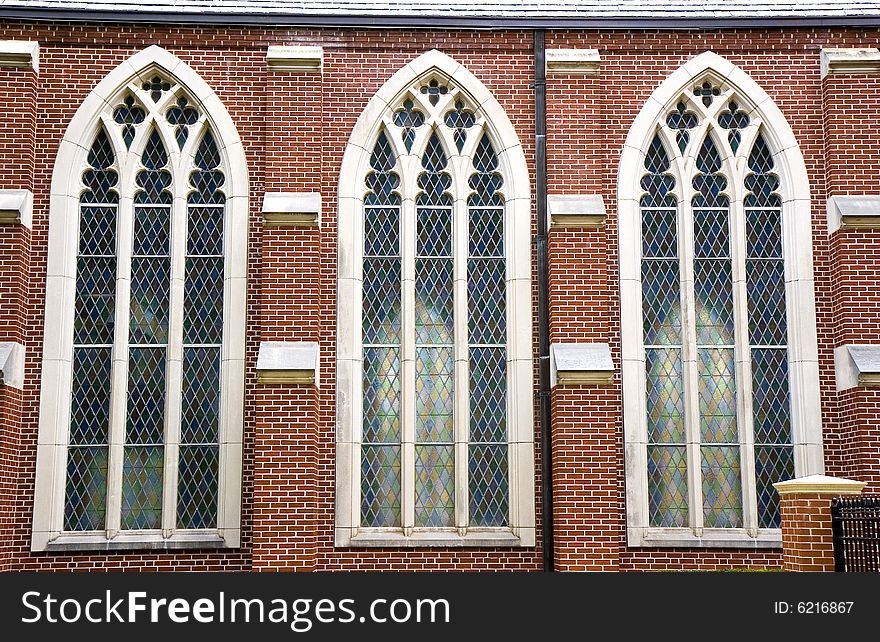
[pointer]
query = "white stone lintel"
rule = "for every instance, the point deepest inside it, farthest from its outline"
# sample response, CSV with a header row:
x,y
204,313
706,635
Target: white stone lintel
x,y
291,209
12,364
576,210
293,362
20,53
579,363
820,484
573,61
853,211
16,207
849,61
295,58
856,365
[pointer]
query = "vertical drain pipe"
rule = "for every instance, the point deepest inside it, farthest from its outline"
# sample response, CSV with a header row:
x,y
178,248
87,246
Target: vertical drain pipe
x,y
543,295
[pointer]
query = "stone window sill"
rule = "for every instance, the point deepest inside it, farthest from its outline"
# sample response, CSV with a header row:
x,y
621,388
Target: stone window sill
x,y
136,541
769,538
447,538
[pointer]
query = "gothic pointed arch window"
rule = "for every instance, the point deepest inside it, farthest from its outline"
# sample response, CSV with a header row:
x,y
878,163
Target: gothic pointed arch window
x,y
715,367
144,404
440,446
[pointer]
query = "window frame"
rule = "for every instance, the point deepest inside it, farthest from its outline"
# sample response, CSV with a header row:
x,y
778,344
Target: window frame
x,y
48,532
797,250
517,215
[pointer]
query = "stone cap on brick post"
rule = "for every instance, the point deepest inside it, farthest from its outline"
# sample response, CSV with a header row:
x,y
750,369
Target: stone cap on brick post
x,y
805,506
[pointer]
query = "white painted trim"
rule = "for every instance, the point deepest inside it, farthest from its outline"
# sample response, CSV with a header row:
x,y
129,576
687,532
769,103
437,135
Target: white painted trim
x,y
293,209
16,207
12,364
853,211
797,234
820,484
513,167
61,282
288,362
20,53
576,210
578,363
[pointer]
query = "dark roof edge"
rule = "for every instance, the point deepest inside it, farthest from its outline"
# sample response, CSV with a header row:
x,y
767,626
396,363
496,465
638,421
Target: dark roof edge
x,y
426,22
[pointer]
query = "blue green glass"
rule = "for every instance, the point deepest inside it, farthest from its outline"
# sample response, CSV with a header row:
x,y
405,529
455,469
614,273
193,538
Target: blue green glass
x,y
435,485
142,487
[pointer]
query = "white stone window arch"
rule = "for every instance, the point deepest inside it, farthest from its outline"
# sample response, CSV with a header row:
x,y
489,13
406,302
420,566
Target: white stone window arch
x,y
154,152
703,443
433,108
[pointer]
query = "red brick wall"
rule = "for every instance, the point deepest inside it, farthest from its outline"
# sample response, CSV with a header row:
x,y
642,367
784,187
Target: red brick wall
x,y
806,532
294,127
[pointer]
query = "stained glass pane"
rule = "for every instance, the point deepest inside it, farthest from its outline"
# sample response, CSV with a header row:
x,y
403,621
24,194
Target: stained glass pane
x,y
486,232
435,375
90,398
381,231
709,183
460,120
205,231
380,485
661,302
434,182
488,395
488,485
772,464
381,410
100,179
434,225
765,285
146,396
657,183
150,290
667,486
409,119
487,305
207,177
665,393
203,300
762,184
713,290
435,485
197,485
487,181
154,181
659,233
434,301
97,230
85,504
763,233
151,231
381,301
722,487
771,404
200,402
717,391
94,320
142,487
382,181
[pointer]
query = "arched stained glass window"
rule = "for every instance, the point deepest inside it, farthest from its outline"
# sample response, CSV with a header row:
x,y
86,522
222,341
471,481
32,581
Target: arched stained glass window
x,y
434,440
715,338
144,444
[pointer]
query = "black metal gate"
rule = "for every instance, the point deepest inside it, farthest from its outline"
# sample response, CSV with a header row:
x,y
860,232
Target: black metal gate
x,y
855,525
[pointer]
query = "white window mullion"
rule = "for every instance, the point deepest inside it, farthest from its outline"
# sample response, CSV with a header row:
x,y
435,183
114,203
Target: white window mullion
x,y
408,364
119,370
690,367
174,364
462,387
743,370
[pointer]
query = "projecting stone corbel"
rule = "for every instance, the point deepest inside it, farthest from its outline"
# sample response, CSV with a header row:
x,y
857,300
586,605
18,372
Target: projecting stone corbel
x,y
12,364
579,363
291,362
291,209
856,365
576,210
859,211
573,61
20,53
16,206
849,61
295,58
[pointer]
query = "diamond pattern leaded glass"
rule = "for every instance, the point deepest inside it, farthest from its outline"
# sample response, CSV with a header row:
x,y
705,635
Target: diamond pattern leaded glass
x,y
381,301
207,177
146,396
382,181
762,183
380,485
667,486
129,115
771,403
460,120
487,181
488,485
487,306
765,284
435,384
197,486
717,393
100,178
95,311
709,183
734,120
435,485
665,392
154,180
90,396
434,182
203,300
682,120
722,487
182,116
381,409
142,487
85,505
488,395
661,302
200,402
150,290
772,464
409,119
